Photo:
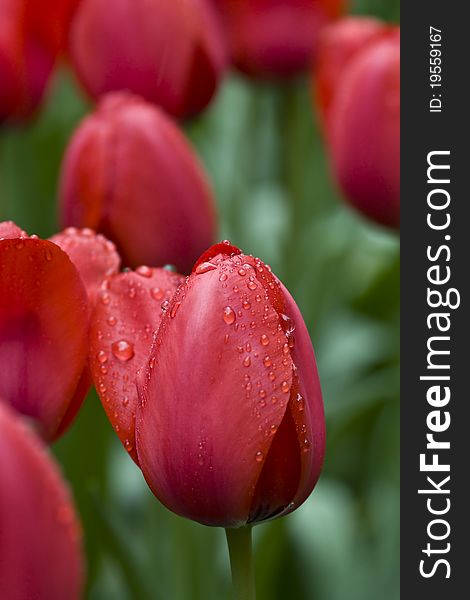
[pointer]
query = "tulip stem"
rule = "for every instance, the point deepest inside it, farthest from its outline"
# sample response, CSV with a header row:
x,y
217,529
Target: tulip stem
x,y
241,562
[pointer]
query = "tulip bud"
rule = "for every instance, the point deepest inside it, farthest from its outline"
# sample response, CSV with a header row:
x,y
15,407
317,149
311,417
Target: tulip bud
x,y
30,40
43,333
269,38
127,314
360,99
130,174
40,537
170,52
230,429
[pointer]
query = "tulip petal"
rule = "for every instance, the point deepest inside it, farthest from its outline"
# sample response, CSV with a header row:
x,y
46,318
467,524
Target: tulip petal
x,y
43,330
125,317
93,255
9,231
216,391
306,403
40,535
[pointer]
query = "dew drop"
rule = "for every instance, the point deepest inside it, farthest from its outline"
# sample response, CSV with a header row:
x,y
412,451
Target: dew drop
x,y
267,362
264,340
300,402
156,293
246,361
248,347
229,315
104,297
273,429
285,387
102,388
262,394
102,357
111,321
205,267
251,285
174,310
259,456
242,272
223,277
246,305
165,305
125,401
48,255
122,350
144,271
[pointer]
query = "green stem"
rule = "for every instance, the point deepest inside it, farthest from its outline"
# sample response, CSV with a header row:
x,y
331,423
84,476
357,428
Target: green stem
x,y
241,562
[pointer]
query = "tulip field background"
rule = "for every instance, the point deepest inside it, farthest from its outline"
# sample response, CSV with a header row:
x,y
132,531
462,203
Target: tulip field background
x,y
262,147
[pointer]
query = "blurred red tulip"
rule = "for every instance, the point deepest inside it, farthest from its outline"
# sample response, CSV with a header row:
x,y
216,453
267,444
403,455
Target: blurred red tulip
x,y
170,52
130,174
40,537
43,333
273,37
30,40
230,428
359,75
338,44
127,314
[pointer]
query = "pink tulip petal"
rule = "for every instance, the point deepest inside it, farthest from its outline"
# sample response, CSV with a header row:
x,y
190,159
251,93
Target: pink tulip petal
x,y
43,330
9,230
93,255
125,317
40,537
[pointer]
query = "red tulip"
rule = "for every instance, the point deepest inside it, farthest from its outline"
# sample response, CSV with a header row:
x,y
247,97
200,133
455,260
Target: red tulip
x,y
167,51
43,332
230,428
30,40
362,111
40,537
338,44
273,37
126,315
130,174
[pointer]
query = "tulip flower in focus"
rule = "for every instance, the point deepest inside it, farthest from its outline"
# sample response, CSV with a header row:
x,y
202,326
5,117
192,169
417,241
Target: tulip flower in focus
x,y
271,38
358,93
40,538
230,429
130,174
169,52
30,41
44,317
128,311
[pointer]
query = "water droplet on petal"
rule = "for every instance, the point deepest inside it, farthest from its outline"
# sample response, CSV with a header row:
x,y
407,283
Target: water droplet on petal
x,y
104,297
252,285
229,315
122,350
205,267
223,277
165,305
174,310
242,272
144,271
246,361
285,387
102,357
156,293
273,429
259,456
264,340
267,362
111,321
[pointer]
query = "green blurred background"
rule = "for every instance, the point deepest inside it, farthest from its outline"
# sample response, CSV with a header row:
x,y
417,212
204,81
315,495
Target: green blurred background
x,y
262,147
